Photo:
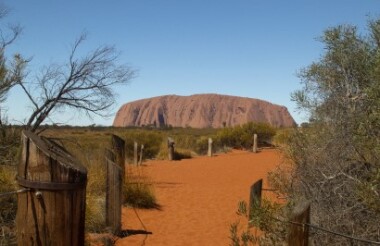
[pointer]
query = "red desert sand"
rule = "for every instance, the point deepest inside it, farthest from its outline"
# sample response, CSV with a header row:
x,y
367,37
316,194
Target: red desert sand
x,y
198,198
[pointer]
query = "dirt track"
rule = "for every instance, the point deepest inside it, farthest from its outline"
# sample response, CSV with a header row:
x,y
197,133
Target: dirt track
x,y
198,198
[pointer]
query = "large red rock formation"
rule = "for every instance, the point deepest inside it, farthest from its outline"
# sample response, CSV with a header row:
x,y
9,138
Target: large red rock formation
x,y
201,111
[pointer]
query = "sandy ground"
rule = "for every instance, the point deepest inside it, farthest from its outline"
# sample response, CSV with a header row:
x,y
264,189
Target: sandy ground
x,y
198,198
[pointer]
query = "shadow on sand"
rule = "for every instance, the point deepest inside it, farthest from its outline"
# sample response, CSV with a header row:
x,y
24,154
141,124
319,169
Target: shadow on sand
x,y
127,233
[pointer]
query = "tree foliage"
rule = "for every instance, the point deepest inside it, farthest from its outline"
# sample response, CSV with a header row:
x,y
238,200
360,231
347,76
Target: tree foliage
x,y
9,71
335,159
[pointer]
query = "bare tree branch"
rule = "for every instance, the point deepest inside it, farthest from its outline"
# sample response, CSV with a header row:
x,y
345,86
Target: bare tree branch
x,y
83,83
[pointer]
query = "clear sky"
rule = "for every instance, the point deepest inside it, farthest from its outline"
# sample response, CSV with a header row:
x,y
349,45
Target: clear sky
x,y
245,48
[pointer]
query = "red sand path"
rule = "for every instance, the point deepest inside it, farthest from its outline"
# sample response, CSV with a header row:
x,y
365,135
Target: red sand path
x,y
198,197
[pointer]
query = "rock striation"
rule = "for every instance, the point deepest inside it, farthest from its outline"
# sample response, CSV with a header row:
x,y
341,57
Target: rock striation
x,y
201,111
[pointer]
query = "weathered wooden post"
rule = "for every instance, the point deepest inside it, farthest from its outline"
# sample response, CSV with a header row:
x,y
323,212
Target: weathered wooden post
x,y
254,149
299,232
135,148
171,148
141,154
113,192
118,147
255,196
209,151
53,211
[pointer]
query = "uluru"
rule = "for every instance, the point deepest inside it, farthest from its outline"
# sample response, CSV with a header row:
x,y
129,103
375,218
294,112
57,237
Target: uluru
x,y
201,111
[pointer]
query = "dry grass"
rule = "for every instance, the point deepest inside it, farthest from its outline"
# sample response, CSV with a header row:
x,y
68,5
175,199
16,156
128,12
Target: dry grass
x,y
95,197
138,190
8,205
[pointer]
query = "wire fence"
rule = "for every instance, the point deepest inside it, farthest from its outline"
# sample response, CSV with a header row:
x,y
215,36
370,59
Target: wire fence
x,y
327,231
319,228
4,194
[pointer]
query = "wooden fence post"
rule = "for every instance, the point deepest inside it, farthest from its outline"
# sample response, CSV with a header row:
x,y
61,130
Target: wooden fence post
x,y
141,154
254,149
118,147
135,147
53,211
299,234
113,192
209,152
255,196
171,148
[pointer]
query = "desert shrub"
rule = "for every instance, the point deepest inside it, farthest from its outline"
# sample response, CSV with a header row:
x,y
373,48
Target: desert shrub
x,y
9,156
282,136
183,148
95,213
139,195
185,141
201,145
9,145
163,151
138,190
179,153
242,136
150,139
335,159
266,218
8,205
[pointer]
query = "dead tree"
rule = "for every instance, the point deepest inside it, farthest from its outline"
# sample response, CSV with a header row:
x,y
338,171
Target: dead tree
x,y
83,83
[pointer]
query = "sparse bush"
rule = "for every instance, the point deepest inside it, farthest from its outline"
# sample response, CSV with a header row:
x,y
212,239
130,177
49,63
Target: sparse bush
x,y
242,136
139,195
335,158
9,145
201,146
8,205
149,138
182,154
265,218
179,153
282,136
96,195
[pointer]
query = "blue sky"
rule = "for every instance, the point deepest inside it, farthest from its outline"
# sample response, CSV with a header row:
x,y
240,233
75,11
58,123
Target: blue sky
x,y
245,48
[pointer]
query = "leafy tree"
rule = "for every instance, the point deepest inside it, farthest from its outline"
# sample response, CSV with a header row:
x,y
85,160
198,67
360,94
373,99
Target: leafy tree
x,y
335,160
9,73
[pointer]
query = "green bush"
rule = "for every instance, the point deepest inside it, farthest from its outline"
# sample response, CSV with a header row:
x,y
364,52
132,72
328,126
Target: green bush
x,y
149,138
283,136
242,136
201,145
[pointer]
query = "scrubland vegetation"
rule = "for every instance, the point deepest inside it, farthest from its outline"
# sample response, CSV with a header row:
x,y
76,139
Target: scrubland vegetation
x,y
333,160
87,144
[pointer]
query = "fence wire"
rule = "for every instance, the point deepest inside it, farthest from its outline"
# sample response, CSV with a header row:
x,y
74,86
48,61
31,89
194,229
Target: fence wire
x,y
318,227
325,230
3,194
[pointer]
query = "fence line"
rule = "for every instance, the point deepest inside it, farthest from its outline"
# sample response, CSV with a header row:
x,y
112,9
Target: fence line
x,y
309,225
326,230
13,192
